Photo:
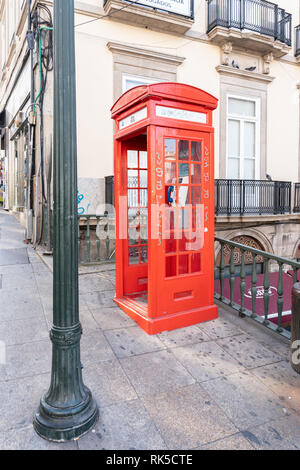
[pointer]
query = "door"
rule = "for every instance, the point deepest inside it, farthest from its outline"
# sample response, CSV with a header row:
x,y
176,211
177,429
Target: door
x,y
135,189
181,263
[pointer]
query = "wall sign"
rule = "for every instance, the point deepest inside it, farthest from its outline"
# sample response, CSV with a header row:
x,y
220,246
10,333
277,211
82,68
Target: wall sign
x,y
180,7
181,114
133,118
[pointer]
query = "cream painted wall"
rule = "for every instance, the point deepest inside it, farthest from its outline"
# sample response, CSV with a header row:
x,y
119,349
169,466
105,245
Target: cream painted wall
x,y
283,122
95,90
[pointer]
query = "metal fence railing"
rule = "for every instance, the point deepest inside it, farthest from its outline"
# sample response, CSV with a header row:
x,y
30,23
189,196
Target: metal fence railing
x,y
235,285
254,15
95,238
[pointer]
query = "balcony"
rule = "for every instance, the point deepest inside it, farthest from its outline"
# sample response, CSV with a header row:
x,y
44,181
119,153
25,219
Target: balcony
x,y
176,17
250,197
297,33
253,24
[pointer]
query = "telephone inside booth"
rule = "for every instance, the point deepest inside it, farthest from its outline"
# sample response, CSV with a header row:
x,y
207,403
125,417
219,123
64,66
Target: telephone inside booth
x,y
164,196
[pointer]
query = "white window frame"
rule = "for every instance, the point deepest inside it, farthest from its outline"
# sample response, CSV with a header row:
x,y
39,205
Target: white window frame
x,y
242,119
142,80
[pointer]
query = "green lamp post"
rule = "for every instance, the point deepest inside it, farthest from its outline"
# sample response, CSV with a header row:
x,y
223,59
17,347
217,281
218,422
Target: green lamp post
x,y
68,409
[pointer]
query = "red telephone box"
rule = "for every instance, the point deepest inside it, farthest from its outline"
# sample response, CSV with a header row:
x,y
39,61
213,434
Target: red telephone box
x,y
164,202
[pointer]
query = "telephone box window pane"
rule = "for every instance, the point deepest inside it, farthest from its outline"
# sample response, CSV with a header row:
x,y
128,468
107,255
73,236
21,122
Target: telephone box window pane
x,y
170,173
144,217
143,179
133,181
144,235
132,159
143,197
196,152
144,254
143,160
183,264
183,150
184,218
134,255
196,195
196,262
170,266
195,174
133,236
184,172
133,217
133,198
171,243
183,196
183,241
170,149
170,218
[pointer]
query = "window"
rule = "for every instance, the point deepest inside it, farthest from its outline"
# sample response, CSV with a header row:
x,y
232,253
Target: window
x,y
130,81
3,42
243,131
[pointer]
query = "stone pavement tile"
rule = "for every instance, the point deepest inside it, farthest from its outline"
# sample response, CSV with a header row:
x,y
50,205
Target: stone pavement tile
x,y
245,400
270,339
155,372
27,439
89,283
18,280
23,331
111,318
39,268
280,434
25,360
108,383
219,328
16,269
183,336
124,426
95,348
13,256
127,342
99,299
236,442
248,352
19,400
283,381
88,322
19,304
206,361
111,275
187,418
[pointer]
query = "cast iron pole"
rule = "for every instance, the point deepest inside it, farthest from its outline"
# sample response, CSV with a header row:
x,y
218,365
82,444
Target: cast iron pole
x,y
67,410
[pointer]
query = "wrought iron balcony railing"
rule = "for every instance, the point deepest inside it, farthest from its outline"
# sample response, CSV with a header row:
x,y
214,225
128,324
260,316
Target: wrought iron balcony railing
x,y
259,16
297,53
242,197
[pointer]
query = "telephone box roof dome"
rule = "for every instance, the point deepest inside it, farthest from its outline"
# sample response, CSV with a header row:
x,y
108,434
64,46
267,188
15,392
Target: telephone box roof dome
x,y
179,92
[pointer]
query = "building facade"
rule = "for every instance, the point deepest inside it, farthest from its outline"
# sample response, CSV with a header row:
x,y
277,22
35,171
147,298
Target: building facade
x,y
244,52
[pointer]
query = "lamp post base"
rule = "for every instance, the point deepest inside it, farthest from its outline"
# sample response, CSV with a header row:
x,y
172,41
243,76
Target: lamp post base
x,y
60,425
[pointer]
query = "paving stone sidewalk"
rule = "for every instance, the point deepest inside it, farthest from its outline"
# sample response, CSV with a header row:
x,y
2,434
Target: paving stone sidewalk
x,y
225,384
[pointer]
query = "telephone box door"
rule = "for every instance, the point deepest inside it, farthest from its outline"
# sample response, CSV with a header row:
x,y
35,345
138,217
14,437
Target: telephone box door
x,y
181,256
135,215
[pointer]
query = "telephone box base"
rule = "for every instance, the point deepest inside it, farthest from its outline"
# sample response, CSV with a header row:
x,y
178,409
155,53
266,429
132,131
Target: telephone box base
x,y
153,326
